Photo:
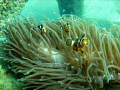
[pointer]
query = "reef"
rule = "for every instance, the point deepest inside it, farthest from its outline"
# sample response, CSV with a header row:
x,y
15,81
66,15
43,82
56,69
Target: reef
x,y
8,81
10,8
44,61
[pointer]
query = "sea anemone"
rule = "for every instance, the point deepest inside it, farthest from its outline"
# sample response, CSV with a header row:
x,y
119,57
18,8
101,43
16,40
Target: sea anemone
x,y
44,61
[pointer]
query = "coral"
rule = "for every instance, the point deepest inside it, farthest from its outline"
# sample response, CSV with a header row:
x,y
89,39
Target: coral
x,y
9,8
45,61
7,81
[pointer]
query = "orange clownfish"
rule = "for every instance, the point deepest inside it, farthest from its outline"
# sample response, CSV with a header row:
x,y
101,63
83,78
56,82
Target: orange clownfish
x,y
66,27
77,44
43,29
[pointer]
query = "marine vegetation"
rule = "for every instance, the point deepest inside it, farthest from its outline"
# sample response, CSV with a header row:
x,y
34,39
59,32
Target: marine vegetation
x,y
44,61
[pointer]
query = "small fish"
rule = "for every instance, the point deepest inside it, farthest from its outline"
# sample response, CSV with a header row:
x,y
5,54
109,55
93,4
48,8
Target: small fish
x,y
66,27
43,29
77,44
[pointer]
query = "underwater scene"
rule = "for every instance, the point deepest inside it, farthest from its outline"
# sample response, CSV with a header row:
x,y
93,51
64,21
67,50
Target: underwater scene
x,y
59,44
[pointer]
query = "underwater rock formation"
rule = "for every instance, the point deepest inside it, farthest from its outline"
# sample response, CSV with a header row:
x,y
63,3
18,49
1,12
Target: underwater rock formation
x,y
10,8
45,62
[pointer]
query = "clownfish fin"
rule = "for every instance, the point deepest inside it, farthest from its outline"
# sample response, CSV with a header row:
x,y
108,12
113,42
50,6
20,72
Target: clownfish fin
x,y
68,24
82,50
76,49
67,30
40,26
83,36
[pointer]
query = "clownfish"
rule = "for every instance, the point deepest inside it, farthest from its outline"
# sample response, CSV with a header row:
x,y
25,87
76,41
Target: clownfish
x,y
77,44
43,29
66,27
